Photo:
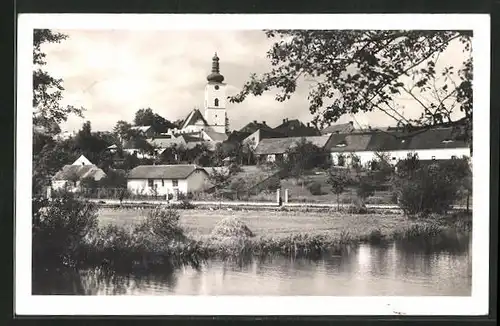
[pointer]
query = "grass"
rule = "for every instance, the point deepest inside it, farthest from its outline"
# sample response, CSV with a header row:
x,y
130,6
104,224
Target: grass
x,y
199,223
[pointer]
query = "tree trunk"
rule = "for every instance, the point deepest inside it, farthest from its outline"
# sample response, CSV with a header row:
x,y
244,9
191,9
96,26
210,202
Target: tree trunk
x,y
338,202
468,198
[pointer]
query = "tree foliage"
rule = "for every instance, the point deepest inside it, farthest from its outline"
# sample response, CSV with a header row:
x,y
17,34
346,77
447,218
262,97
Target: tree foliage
x,y
146,117
353,71
48,113
338,179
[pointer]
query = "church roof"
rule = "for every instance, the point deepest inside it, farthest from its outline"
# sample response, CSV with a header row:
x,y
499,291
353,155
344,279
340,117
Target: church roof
x,y
192,118
215,76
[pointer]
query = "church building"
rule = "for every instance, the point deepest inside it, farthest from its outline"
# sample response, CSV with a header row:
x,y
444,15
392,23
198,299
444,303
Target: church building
x,y
213,121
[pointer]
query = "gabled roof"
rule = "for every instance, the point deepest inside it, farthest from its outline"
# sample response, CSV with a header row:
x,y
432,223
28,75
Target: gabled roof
x,y
295,128
82,159
79,172
436,138
254,126
192,137
176,171
192,118
216,136
269,146
338,128
135,143
348,142
238,136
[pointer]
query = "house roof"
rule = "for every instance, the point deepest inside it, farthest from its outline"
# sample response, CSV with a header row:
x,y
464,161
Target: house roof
x,y
238,136
281,145
436,138
254,126
83,159
177,171
216,136
192,118
210,145
348,142
79,172
295,128
338,128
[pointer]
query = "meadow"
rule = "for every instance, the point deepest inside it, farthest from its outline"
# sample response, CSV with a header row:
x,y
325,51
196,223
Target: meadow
x,y
199,223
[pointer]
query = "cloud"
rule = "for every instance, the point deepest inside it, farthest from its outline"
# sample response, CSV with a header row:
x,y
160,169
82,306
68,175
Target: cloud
x,y
114,73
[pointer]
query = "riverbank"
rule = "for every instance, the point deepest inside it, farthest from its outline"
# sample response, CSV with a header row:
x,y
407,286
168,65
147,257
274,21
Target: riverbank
x,y
283,232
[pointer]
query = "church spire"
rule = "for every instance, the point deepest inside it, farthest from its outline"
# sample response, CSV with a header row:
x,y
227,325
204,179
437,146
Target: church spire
x,y
215,76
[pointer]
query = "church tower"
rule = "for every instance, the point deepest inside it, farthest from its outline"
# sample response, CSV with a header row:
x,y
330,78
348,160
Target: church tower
x,y
215,99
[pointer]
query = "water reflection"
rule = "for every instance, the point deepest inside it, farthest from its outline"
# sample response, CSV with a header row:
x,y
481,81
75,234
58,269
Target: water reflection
x,y
400,268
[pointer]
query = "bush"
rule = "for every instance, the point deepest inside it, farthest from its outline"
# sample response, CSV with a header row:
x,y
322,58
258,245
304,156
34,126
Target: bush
x,y
184,204
424,189
315,189
163,224
59,229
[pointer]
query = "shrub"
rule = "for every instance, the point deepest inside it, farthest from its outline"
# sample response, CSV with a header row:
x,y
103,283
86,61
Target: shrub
x,y
422,189
163,224
315,189
365,188
59,229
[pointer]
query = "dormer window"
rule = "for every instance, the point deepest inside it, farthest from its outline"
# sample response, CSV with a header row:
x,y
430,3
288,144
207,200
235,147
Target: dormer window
x,y
446,141
216,102
341,145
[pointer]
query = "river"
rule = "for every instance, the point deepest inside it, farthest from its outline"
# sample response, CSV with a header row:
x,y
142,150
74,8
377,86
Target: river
x,y
395,269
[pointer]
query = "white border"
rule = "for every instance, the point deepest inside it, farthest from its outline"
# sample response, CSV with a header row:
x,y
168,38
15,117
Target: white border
x,y
477,304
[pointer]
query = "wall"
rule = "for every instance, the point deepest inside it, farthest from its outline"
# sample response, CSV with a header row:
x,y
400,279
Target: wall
x,y
197,181
197,127
394,156
254,139
82,160
140,186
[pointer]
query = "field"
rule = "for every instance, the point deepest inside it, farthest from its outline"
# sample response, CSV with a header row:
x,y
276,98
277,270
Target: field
x,y
199,223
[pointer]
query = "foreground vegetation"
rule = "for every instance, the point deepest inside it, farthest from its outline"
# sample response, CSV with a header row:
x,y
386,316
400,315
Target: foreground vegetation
x,y
68,232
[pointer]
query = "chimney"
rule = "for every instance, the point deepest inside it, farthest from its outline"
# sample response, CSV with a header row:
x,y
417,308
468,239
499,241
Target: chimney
x,y
263,122
255,121
284,120
352,124
308,125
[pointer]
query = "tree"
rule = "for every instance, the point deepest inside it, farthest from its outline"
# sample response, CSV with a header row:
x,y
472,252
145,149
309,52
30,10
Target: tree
x,y
338,180
146,117
301,158
123,131
47,91
352,71
365,187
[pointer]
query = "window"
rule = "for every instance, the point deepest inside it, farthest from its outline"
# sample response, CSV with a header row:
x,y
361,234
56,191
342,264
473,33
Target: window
x,y
434,158
453,157
216,102
175,183
150,183
216,87
393,158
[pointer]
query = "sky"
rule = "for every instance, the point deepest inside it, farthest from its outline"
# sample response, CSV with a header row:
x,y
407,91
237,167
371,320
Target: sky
x,y
114,73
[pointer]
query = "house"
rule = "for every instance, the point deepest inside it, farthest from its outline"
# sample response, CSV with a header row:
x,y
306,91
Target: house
x,y
273,149
112,149
253,126
194,123
70,176
343,128
160,144
254,139
145,131
432,144
295,128
166,179
212,136
140,148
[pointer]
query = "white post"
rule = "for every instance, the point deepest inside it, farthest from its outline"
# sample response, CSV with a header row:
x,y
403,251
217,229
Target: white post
x,y
286,196
278,196
49,192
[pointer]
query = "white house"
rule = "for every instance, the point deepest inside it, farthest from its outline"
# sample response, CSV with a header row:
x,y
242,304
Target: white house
x,y
166,179
433,144
69,176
